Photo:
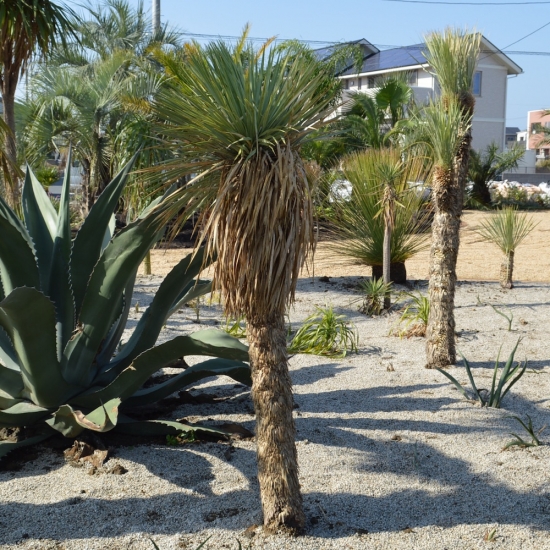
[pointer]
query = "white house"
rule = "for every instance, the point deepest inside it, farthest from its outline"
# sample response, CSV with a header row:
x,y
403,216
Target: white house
x,y
490,82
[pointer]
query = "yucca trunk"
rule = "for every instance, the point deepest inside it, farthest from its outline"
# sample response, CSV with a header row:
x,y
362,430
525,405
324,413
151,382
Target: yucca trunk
x,y
147,264
263,220
387,262
12,190
275,430
440,334
506,270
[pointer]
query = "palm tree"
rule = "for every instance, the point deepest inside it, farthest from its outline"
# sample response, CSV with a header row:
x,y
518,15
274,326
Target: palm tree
x,y
370,119
485,165
25,26
381,222
239,117
95,94
507,229
453,56
86,104
442,126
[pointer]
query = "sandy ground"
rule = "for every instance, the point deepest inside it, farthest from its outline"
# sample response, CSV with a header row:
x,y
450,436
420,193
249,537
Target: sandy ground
x,y
477,259
391,456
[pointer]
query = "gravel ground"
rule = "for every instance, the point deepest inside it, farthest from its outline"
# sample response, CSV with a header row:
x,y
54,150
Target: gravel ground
x,y
391,455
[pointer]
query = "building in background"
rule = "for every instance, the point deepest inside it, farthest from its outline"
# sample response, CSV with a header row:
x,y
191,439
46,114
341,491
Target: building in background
x,y
490,82
538,128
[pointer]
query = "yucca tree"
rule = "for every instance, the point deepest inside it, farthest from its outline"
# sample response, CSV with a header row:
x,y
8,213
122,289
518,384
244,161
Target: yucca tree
x,y
507,229
442,126
240,116
485,165
453,56
380,223
369,119
26,27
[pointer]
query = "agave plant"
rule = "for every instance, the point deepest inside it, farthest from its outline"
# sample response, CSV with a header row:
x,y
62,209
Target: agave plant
x,y
63,309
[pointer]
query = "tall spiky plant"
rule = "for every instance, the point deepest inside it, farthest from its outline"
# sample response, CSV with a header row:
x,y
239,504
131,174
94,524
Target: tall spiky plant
x,y
442,127
507,229
25,27
240,117
380,223
453,56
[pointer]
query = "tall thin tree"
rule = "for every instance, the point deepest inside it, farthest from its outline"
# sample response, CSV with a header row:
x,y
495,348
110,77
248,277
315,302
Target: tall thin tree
x,y
25,26
237,117
453,56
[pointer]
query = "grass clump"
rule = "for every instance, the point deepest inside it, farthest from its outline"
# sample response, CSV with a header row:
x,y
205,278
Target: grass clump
x,y
374,291
528,427
235,327
414,316
325,333
509,375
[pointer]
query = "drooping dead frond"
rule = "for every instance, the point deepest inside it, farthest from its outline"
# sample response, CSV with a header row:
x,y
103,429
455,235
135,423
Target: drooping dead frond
x,y
261,226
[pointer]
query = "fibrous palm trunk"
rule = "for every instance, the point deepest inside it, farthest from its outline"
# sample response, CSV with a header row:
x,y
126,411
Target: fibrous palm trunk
x,y
263,230
506,269
275,430
12,189
448,191
147,263
440,333
387,262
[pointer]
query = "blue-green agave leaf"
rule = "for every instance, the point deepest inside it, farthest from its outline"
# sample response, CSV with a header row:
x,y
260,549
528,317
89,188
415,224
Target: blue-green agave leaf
x,y
237,370
8,357
112,340
213,343
99,310
59,289
41,221
23,414
9,446
72,423
163,427
154,317
11,386
29,319
88,243
18,265
189,293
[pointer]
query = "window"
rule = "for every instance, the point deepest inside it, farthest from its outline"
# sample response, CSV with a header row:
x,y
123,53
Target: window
x,y
346,84
412,78
536,127
371,82
476,88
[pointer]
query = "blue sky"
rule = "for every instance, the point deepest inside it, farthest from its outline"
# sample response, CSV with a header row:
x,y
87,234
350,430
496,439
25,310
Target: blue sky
x,y
385,23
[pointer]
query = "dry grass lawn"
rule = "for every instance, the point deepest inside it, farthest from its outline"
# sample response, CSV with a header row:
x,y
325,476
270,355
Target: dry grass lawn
x,y
477,260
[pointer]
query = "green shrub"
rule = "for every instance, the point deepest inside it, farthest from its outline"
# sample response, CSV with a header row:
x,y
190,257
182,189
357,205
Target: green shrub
x,y
325,333
374,291
64,305
47,175
359,226
414,316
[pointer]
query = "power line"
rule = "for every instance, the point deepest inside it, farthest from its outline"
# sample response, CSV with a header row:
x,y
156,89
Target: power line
x,y
328,43
469,3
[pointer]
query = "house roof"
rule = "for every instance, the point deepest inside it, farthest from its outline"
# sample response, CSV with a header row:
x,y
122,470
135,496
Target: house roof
x,y
413,57
366,46
408,56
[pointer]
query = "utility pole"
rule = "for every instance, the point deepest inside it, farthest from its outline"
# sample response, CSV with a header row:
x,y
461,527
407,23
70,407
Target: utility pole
x,y
156,17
